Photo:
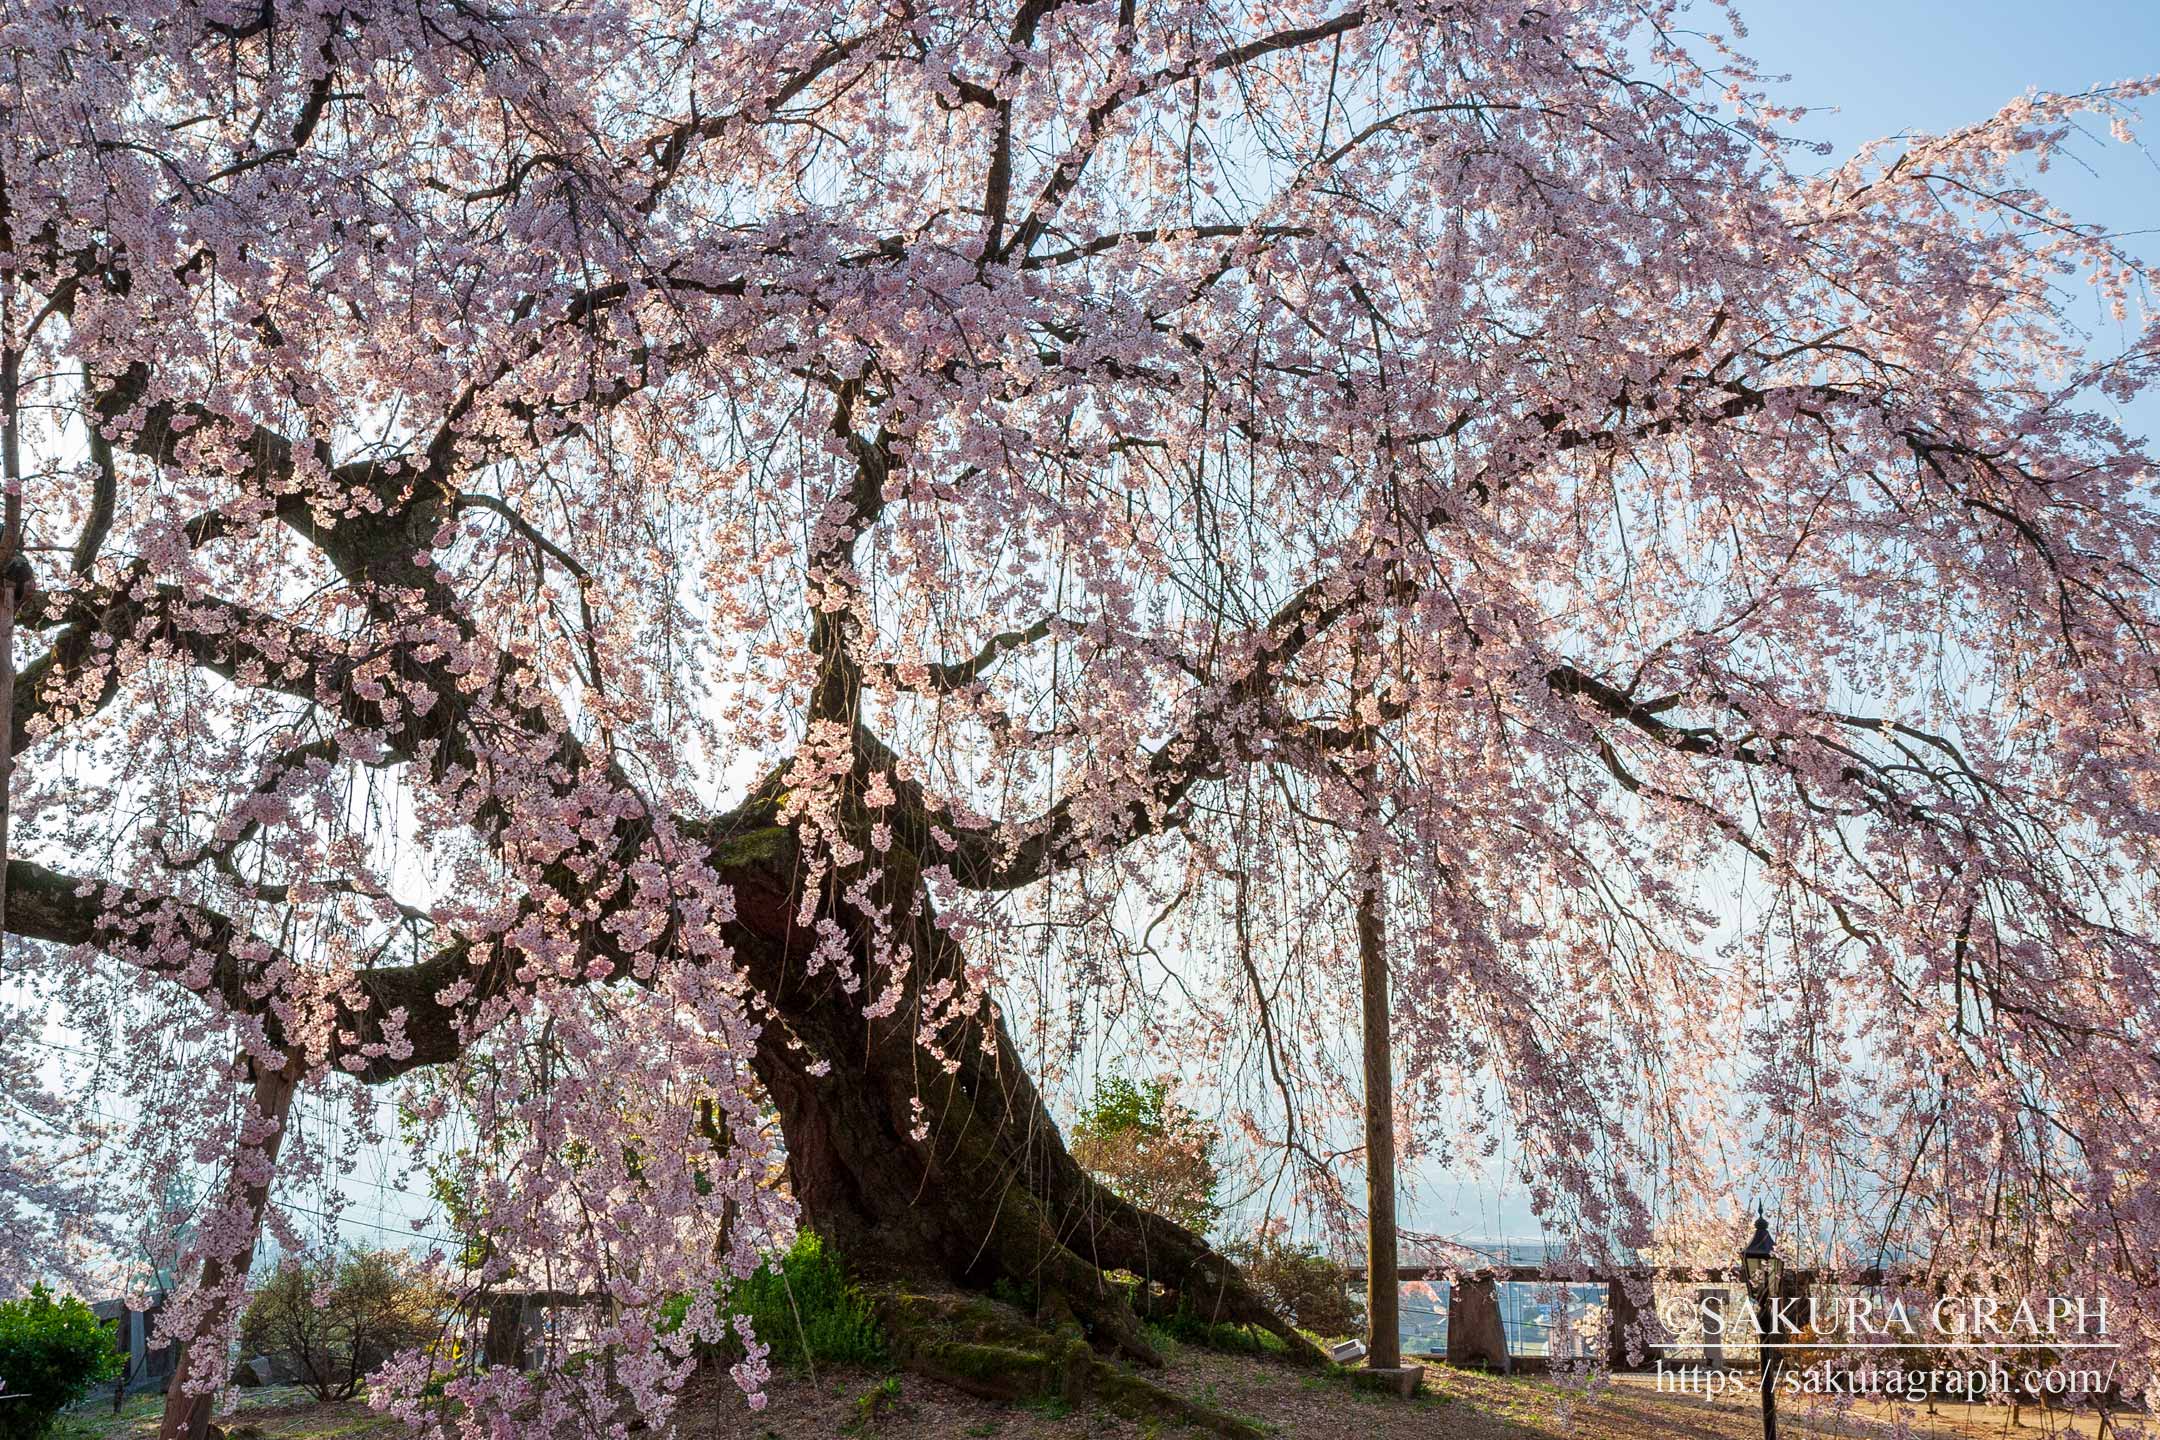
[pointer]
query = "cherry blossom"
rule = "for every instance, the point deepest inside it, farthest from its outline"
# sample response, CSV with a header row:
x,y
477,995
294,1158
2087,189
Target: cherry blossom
x,y
602,566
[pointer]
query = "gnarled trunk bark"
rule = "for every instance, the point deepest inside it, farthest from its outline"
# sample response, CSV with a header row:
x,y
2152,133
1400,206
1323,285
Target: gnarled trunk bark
x,y
947,1176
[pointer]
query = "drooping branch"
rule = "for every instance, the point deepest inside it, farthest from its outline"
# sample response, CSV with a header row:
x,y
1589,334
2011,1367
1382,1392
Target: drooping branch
x,y
1016,854
1070,167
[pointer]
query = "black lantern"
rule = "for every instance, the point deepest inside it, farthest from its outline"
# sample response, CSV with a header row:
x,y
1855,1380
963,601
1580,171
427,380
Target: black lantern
x,y
1760,1266
1762,1272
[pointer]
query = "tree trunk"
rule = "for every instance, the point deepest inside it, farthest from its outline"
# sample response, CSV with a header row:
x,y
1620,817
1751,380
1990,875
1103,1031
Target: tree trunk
x,y
224,1275
934,1180
15,573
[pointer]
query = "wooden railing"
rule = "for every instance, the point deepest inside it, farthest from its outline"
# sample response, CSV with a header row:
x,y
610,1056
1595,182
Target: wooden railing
x,y
1476,1333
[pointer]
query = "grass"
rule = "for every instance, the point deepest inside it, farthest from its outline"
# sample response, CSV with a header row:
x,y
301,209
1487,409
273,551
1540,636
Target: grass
x,y
283,1412
804,1307
1186,1328
94,1418
879,1400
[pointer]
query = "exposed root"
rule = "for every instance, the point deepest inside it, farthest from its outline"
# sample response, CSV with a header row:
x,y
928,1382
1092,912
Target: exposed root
x,y
1077,1299
1199,1278
990,1350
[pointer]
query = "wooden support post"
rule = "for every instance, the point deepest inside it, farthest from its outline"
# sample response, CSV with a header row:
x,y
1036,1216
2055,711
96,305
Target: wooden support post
x,y
16,577
1383,1303
1476,1333
1626,1337
503,1342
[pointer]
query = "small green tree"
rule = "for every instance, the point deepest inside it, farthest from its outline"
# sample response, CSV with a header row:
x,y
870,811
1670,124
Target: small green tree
x,y
1150,1150
51,1352
341,1317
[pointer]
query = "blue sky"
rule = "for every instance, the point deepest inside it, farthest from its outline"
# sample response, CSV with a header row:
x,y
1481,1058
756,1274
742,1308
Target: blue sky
x,y
1869,68
1891,65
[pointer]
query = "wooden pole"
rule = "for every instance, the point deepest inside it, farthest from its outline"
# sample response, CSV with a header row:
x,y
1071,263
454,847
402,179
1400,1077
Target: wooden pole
x,y
10,594
14,563
1383,1302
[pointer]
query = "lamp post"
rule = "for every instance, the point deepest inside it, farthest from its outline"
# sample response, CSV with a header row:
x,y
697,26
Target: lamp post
x,y
1761,1270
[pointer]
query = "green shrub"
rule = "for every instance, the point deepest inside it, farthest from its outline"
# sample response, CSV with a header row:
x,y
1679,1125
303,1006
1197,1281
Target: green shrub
x,y
1302,1283
805,1309
51,1353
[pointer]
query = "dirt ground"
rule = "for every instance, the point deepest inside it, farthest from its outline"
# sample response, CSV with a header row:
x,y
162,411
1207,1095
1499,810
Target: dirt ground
x,y
1287,1402
1294,1405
